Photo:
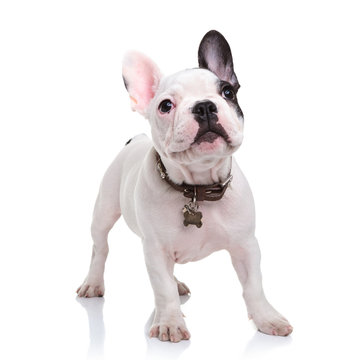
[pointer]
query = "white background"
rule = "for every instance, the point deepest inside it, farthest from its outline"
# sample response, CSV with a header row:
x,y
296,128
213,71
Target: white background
x,y
65,115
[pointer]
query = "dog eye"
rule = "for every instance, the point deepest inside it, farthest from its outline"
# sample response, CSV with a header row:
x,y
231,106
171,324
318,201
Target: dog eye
x,y
228,93
166,106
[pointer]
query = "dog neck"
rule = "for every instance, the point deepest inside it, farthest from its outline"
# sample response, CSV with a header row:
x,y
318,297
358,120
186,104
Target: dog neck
x,y
199,173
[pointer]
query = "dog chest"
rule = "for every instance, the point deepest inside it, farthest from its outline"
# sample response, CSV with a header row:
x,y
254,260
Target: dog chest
x,y
192,243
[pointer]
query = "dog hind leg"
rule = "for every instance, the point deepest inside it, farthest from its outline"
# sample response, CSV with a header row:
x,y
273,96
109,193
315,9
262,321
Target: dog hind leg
x,y
182,288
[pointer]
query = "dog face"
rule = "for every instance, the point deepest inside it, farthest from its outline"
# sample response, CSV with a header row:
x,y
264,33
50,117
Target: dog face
x,y
194,114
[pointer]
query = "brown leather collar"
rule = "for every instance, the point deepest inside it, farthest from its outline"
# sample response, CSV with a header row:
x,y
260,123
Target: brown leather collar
x,y
211,192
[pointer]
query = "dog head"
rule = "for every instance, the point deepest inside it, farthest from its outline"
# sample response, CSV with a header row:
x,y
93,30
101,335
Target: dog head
x,y
194,114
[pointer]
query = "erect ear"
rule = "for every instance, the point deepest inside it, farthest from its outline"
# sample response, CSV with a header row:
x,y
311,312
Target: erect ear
x,y
141,78
215,55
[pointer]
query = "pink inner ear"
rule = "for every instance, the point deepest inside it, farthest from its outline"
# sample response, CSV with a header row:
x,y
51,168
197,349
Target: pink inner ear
x,y
145,75
142,77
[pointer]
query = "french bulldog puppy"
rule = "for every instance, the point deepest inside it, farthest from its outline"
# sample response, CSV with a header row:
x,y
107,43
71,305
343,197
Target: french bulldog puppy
x,y
182,192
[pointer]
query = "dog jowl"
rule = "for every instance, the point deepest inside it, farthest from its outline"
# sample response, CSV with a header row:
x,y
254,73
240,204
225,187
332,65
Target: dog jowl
x,y
182,191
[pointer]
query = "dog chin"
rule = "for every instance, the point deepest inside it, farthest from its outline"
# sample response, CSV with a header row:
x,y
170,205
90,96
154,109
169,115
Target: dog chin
x,y
219,148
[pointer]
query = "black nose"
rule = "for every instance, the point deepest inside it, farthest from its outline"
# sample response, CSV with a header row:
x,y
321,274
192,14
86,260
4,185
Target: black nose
x,y
205,110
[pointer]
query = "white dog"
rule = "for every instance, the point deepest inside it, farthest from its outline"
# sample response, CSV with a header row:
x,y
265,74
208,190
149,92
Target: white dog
x,y
182,193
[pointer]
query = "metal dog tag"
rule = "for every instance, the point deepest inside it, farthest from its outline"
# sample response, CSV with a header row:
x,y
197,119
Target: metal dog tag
x,y
191,214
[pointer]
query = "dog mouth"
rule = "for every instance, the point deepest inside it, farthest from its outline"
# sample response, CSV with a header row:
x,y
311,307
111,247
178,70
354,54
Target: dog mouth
x,y
210,135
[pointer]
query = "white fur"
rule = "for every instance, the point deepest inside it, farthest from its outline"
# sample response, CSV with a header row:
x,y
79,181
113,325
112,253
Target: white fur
x,y
153,210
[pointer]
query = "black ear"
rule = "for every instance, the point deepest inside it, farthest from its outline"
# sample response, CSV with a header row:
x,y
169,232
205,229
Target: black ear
x,y
215,55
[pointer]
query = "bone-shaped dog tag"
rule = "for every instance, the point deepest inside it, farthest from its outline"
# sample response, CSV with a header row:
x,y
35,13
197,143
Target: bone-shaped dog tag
x,y
191,214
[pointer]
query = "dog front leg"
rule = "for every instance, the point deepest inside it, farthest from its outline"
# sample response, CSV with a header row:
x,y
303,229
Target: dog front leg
x,y
168,324
106,213
246,261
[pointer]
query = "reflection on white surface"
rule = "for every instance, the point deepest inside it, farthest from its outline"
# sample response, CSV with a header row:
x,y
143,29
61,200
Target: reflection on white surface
x,y
262,344
258,346
155,348
94,309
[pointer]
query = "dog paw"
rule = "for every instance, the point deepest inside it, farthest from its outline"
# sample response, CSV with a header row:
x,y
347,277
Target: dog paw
x,y
270,322
88,289
171,329
182,288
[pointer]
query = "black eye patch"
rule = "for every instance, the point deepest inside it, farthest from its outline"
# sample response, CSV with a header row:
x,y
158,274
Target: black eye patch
x,y
228,92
